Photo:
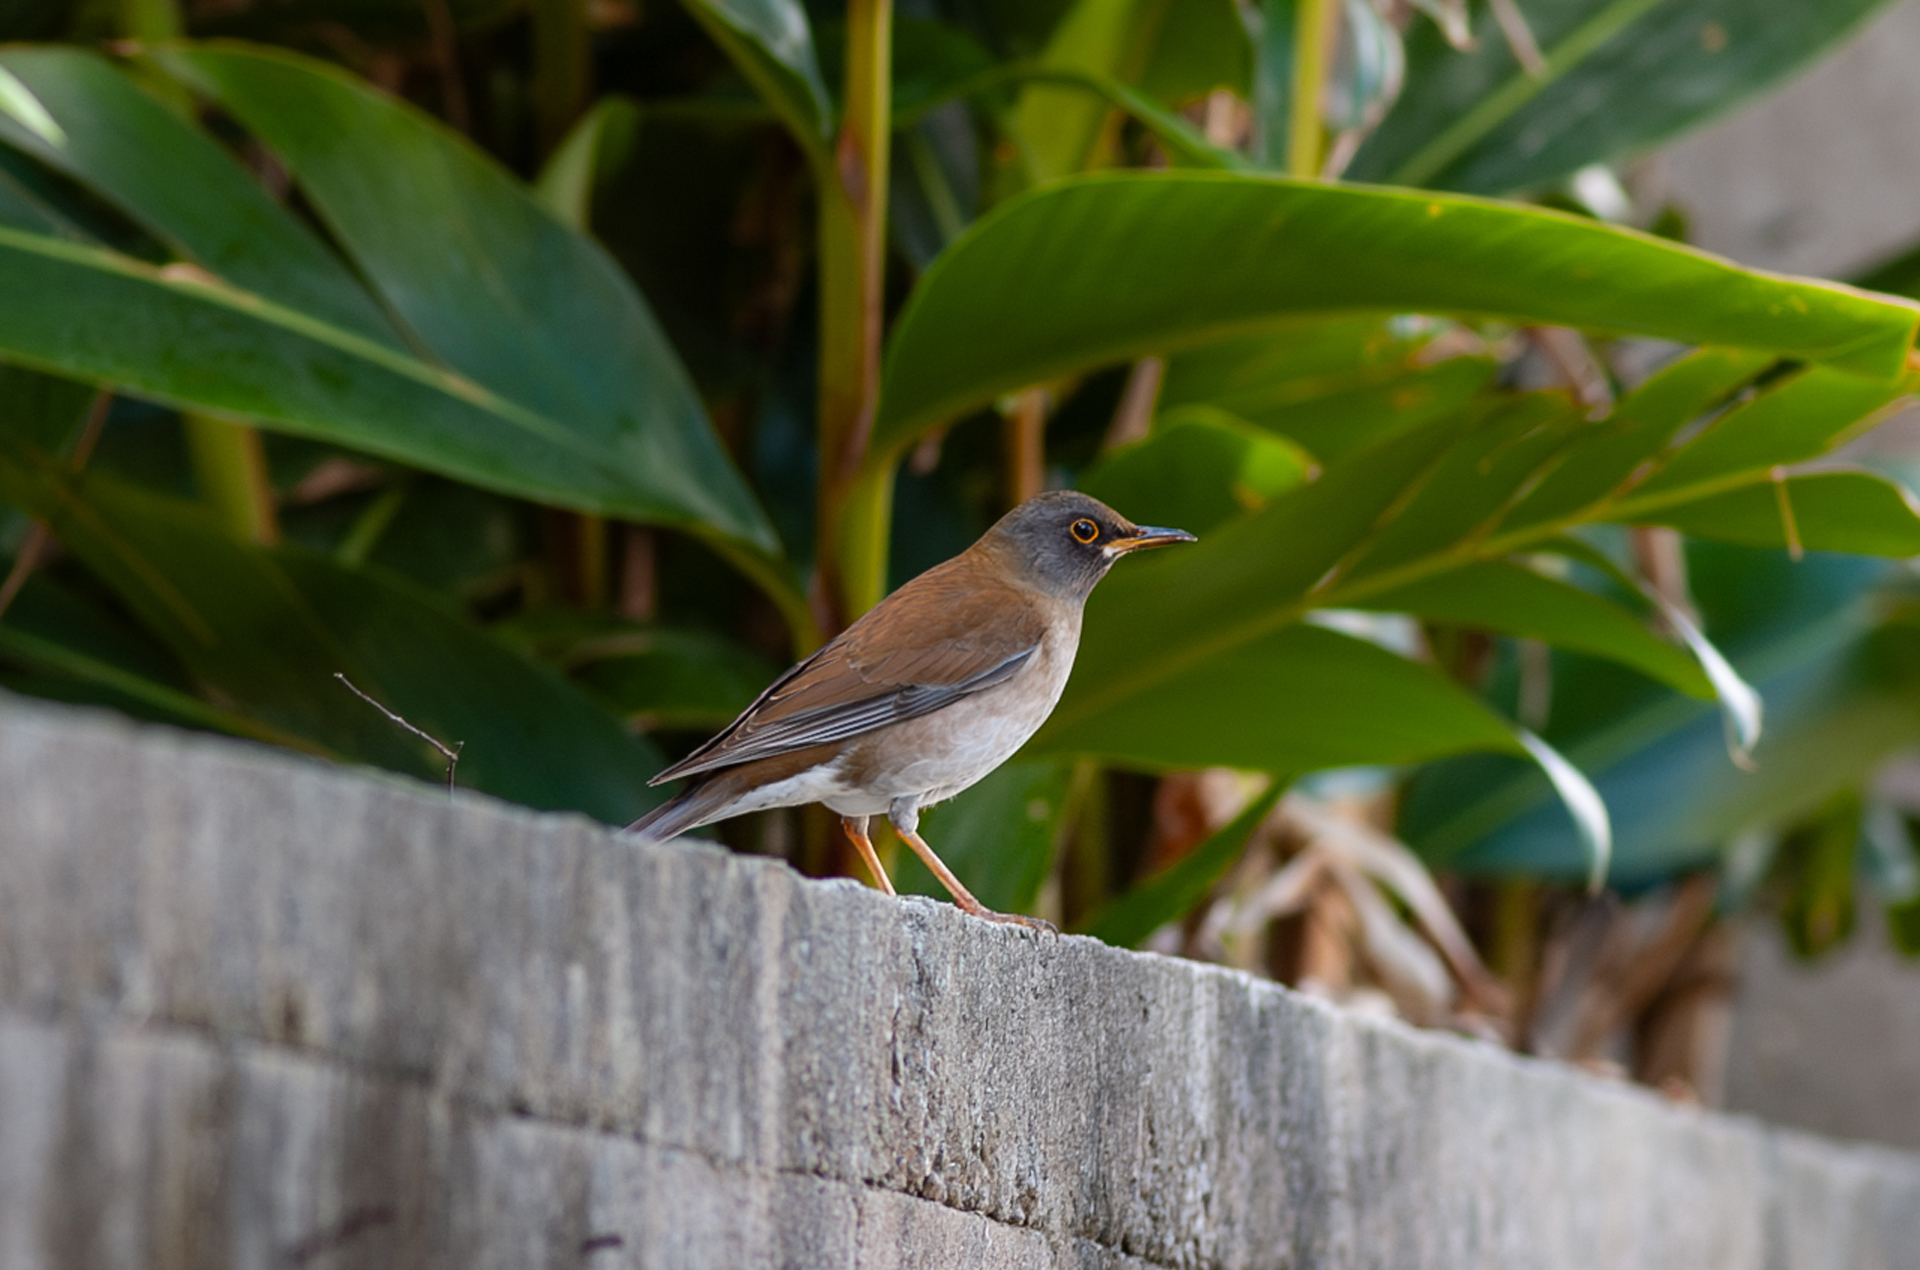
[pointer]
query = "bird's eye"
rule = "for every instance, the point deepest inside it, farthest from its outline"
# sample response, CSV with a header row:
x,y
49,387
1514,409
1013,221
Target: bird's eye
x,y
1083,530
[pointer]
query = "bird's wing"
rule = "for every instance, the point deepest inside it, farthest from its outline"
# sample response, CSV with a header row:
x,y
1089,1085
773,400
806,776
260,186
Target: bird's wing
x,y
937,639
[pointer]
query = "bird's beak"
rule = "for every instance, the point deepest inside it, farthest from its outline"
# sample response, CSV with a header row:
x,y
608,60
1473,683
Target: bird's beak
x,y
1145,536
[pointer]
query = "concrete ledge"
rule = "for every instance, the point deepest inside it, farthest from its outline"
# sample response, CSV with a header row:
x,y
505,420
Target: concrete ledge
x,y
259,1012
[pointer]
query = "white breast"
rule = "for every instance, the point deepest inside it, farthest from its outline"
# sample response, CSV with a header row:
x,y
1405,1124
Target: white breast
x,y
955,746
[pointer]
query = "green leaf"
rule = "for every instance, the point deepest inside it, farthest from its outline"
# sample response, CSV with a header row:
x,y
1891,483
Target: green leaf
x,y
1621,76
566,184
1200,468
1512,600
18,103
1609,455
1839,698
1099,269
1202,45
998,837
1463,495
574,398
1058,127
183,188
44,411
1816,864
1583,805
661,678
1832,511
771,43
654,676
263,632
1296,700
1794,420
1157,900
1334,385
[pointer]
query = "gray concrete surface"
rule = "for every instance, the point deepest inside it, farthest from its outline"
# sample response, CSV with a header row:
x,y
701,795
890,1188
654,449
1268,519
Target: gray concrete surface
x,y
255,1011
1832,1045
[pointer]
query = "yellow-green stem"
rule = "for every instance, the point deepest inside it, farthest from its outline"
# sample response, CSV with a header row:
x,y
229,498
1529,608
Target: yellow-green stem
x,y
591,559
230,467
866,518
853,231
1312,33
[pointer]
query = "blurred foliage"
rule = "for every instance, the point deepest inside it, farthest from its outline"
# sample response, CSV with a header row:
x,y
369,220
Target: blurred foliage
x,y
560,369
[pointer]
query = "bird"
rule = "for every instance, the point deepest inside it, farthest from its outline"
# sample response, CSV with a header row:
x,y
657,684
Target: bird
x,y
922,696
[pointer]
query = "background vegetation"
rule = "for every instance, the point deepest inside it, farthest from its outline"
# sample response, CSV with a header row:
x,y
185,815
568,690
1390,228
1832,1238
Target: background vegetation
x,y
558,370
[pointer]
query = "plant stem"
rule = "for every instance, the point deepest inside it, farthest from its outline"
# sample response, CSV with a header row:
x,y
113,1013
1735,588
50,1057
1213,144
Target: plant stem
x,y
230,467
1026,435
853,232
560,68
1313,29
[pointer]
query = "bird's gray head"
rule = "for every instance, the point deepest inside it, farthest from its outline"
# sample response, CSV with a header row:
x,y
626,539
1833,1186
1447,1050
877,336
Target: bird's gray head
x,y
1064,542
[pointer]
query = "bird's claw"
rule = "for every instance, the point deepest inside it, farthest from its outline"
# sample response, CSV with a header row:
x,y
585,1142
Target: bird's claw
x,y
1039,925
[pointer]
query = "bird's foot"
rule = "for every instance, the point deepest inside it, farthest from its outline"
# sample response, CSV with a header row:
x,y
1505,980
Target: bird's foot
x,y
1038,924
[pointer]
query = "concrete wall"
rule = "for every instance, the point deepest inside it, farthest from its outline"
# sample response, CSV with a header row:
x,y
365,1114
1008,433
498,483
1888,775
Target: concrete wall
x,y
255,1011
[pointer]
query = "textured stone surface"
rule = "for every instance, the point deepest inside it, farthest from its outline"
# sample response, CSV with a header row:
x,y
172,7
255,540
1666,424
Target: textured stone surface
x,y
259,1012
1832,1045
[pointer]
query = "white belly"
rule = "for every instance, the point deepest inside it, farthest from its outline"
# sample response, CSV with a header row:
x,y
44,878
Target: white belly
x,y
930,759
934,757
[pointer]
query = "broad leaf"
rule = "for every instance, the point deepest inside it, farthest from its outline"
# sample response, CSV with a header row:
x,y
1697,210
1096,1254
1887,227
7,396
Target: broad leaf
x,y
1111,39
1096,270
1513,600
1333,385
1621,75
1298,699
263,632
546,377
1200,468
771,43
1821,511
673,679
1837,697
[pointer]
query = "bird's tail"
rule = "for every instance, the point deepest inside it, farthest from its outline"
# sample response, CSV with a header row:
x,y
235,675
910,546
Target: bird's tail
x,y
689,809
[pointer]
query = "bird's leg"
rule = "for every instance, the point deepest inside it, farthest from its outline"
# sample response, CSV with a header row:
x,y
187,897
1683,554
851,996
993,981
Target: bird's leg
x,y
856,827
906,822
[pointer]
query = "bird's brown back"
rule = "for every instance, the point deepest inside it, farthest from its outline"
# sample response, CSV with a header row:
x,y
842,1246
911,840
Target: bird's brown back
x,y
953,626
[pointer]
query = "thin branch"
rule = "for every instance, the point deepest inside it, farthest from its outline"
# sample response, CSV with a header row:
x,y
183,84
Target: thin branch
x,y
1526,49
451,755
33,548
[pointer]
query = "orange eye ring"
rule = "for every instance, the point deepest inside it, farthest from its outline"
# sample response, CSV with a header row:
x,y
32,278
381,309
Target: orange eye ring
x,y
1083,530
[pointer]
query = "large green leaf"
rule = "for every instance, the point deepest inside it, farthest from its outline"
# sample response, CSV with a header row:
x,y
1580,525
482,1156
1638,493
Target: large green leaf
x,y
771,42
1839,697
1420,521
182,187
1095,270
1058,126
1499,596
1298,699
262,633
1829,511
1621,75
1333,385
540,374
1200,468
